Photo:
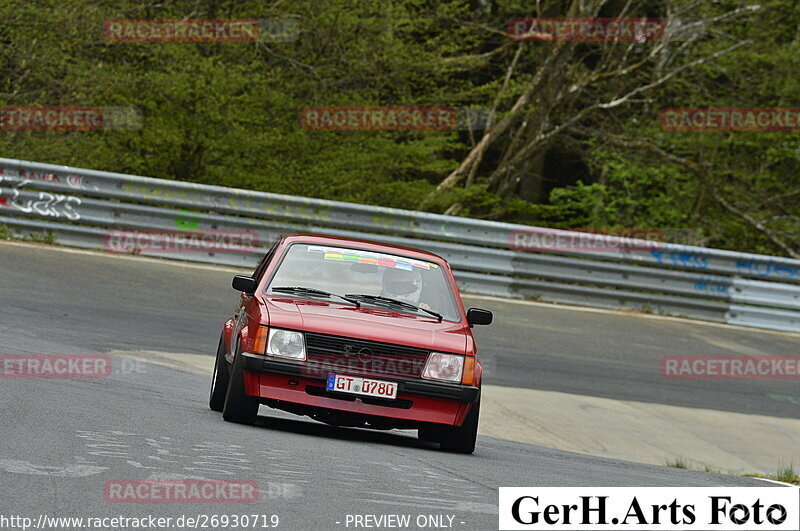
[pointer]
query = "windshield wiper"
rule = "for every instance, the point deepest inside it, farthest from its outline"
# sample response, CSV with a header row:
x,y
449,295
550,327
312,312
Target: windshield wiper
x,y
387,300
314,291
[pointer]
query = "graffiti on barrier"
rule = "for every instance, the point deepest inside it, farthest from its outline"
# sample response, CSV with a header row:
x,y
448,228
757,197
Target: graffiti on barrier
x,y
770,267
693,259
712,286
45,204
26,177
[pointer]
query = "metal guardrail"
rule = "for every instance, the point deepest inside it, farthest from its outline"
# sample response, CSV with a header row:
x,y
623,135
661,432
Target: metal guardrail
x,y
81,206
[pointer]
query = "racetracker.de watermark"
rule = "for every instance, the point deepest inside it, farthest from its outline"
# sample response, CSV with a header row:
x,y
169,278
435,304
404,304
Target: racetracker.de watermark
x,y
70,118
537,239
273,29
730,367
730,119
586,29
177,241
362,362
55,366
181,491
392,118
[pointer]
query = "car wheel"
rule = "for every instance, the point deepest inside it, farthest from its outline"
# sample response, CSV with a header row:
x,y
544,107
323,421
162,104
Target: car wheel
x,y
238,406
219,381
462,439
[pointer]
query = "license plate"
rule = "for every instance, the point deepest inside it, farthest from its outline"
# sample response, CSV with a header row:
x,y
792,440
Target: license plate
x,y
361,386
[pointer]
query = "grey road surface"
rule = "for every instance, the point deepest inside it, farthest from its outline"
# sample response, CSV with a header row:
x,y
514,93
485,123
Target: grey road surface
x,y
63,440
107,303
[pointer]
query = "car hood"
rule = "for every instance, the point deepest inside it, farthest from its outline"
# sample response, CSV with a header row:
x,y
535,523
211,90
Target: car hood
x,y
368,323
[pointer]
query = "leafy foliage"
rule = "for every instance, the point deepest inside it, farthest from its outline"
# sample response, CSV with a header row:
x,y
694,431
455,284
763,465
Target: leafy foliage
x,y
571,155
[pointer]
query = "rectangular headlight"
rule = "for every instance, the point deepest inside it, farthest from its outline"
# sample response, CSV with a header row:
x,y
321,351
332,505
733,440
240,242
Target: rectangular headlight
x,y
286,344
444,367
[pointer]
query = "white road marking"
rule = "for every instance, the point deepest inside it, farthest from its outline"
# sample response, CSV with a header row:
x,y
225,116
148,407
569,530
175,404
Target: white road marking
x,y
15,466
778,482
172,476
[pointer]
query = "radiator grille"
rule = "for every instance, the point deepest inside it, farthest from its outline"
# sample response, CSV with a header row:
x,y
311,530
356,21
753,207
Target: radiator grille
x,y
357,357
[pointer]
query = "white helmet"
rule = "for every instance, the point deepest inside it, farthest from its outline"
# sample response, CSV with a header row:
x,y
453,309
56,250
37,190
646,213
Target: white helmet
x,y
402,284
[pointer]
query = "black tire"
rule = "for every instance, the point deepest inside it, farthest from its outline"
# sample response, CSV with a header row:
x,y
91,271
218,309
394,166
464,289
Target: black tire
x,y
238,406
430,434
462,439
219,380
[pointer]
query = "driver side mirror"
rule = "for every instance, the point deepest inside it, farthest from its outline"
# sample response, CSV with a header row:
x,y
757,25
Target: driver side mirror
x,y
244,284
476,316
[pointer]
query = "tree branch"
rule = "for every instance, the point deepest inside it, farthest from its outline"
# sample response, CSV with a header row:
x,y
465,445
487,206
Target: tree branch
x,y
478,56
701,172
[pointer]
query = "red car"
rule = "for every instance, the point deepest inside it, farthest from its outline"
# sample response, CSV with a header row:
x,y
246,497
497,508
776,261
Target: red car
x,y
353,333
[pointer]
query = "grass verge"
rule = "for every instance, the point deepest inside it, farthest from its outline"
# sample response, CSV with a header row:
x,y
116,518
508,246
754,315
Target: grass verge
x,y
45,237
785,474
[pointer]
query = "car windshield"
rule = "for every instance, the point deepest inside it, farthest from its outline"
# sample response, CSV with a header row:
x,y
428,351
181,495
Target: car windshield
x,y
372,278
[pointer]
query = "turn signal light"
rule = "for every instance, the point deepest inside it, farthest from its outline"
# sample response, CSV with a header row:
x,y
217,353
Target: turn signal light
x,y
260,341
469,371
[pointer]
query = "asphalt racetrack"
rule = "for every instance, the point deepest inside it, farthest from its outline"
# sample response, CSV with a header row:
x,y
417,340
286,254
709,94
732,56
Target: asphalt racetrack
x,y
62,440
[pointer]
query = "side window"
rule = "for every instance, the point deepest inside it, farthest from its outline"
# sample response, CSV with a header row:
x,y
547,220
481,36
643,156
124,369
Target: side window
x,y
262,266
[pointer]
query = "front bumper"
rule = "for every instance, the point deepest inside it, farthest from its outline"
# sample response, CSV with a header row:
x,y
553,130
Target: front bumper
x,y
289,381
461,393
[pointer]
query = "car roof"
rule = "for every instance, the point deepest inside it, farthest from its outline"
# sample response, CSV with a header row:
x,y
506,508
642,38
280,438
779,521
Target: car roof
x,y
362,244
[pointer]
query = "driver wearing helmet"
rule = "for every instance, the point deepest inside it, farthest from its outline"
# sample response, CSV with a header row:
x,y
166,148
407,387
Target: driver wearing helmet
x,y
403,285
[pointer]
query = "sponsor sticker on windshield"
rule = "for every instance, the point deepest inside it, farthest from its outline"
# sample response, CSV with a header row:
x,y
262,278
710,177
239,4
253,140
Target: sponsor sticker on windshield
x,y
368,257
